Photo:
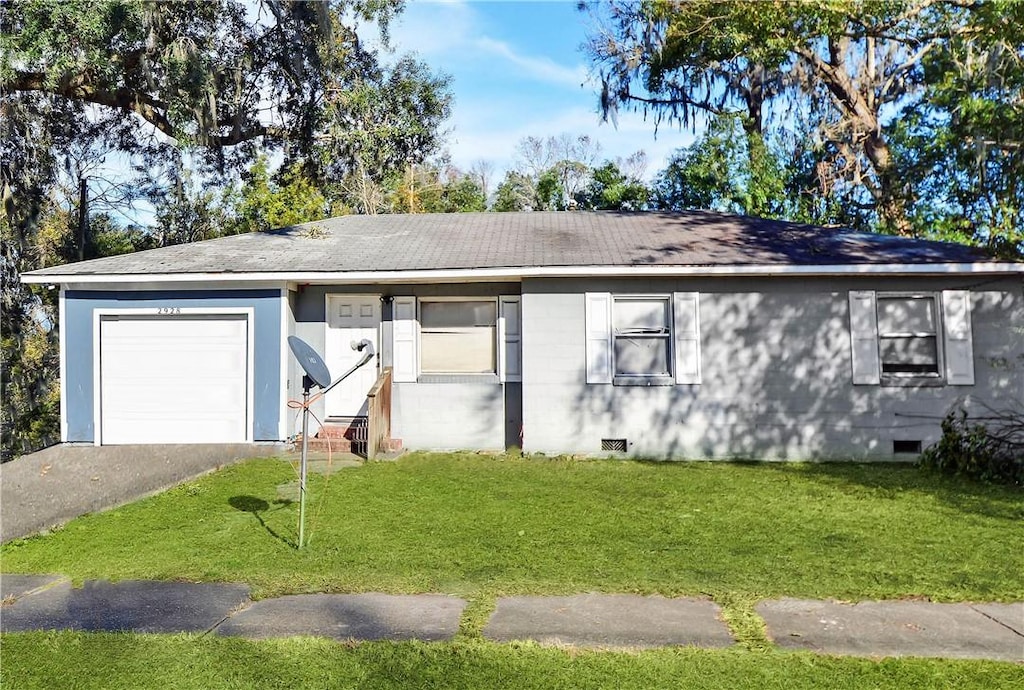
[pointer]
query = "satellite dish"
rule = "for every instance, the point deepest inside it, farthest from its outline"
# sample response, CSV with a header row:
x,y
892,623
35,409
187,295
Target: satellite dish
x,y
311,362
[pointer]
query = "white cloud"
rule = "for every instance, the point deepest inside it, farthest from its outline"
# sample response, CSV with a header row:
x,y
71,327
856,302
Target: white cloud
x,y
435,29
540,68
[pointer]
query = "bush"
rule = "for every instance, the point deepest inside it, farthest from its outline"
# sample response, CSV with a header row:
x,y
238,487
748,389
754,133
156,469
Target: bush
x,y
989,447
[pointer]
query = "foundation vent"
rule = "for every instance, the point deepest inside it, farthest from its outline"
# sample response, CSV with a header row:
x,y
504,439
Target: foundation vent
x,y
615,445
906,447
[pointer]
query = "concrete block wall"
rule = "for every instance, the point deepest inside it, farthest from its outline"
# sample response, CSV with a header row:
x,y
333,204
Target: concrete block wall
x,y
777,378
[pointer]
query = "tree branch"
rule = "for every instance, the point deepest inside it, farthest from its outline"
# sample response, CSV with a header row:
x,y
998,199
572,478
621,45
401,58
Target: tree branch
x,y
149,108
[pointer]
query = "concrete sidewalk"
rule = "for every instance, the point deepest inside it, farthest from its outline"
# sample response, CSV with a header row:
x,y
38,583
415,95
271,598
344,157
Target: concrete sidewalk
x,y
602,621
48,488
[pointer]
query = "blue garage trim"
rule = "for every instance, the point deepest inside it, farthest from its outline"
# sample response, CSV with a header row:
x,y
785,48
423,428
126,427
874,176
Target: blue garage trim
x,y
78,332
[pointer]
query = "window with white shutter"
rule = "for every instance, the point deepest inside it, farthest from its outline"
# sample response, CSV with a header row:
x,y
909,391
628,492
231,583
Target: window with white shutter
x,y
643,339
905,336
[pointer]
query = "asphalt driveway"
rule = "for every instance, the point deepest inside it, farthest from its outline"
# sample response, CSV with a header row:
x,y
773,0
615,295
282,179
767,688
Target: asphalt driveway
x,y
48,488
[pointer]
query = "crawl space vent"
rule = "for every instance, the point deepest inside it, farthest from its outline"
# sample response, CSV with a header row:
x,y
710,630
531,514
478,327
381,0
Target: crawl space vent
x,y
899,447
617,445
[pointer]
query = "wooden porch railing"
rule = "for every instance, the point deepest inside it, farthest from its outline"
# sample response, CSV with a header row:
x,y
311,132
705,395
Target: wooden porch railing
x,y
379,413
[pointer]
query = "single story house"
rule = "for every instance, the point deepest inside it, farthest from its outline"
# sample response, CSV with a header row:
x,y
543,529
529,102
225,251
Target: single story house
x,y
683,335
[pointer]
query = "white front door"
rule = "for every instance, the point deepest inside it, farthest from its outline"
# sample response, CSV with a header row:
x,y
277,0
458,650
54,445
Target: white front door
x,y
351,318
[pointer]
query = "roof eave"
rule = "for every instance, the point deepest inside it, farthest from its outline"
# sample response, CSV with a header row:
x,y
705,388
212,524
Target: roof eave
x,y
518,273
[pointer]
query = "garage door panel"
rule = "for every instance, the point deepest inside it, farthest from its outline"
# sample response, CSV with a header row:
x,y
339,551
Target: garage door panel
x,y
176,399
169,365
174,379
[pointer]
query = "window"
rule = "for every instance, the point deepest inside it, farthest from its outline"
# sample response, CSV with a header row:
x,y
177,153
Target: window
x,y
642,339
641,333
911,337
458,336
908,340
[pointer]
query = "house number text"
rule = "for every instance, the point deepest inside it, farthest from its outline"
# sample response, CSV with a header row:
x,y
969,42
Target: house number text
x,y
168,310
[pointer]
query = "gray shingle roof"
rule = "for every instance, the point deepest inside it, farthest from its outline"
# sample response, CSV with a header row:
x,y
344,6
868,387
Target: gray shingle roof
x,y
496,240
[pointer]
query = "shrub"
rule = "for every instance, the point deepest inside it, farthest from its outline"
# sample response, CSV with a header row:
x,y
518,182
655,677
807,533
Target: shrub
x,y
988,447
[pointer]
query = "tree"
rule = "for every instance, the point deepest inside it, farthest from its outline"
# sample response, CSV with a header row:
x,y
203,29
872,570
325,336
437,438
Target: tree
x,y
559,167
611,189
267,203
387,122
481,171
720,172
199,73
964,153
516,192
159,83
30,410
848,64
437,187
187,213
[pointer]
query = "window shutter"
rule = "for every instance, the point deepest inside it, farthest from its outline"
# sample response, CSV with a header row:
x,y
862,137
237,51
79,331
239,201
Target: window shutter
x,y
864,338
956,327
686,320
510,337
599,337
403,329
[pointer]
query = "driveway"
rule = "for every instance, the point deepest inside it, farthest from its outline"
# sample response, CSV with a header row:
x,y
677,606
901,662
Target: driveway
x,y
48,488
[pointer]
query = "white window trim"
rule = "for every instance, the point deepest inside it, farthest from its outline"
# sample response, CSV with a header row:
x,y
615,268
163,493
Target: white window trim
x,y
247,312
283,363
685,360
62,338
498,338
940,364
669,337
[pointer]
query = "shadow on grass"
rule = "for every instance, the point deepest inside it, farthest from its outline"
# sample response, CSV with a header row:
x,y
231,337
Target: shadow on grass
x,y
255,505
890,480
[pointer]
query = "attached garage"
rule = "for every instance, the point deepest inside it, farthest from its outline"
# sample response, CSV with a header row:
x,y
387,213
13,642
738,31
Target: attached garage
x,y
175,376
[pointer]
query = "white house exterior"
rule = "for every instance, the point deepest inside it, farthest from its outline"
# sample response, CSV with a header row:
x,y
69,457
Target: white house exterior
x,y
692,335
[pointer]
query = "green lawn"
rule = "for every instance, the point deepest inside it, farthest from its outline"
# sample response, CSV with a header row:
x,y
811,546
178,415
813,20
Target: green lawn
x,y
74,661
483,526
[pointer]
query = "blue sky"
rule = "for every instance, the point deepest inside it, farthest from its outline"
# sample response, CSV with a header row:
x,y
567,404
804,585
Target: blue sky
x,y
518,70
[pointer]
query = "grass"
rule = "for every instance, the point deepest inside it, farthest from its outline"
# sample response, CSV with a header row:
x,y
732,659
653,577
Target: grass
x,y
76,661
485,526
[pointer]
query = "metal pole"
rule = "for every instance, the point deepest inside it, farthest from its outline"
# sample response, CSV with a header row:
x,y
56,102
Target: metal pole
x,y
302,466
83,215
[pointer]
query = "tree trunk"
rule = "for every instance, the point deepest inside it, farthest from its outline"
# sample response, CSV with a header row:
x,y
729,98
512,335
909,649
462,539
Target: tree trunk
x,y
891,196
755,97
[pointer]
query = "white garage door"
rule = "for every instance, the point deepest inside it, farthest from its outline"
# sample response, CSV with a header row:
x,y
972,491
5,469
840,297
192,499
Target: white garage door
x,y
174,379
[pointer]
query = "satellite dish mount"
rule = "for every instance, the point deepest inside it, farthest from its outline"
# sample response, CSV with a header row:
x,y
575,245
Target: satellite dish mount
x,y
316,373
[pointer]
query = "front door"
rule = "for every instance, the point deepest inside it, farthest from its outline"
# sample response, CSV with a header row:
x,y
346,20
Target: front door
x,y
351,318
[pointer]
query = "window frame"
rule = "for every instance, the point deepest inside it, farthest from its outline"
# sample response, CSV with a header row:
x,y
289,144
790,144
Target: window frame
x,y
497,342
669,336
939,375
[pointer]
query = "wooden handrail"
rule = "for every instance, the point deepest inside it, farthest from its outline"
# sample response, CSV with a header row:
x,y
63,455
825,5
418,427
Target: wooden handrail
x,y
379,414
